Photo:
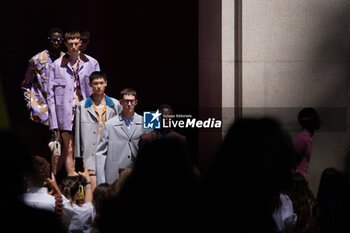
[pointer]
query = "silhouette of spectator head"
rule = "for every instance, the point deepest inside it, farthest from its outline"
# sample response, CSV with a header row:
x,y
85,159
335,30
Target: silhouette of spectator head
x,y
161,186
333,200
304,204
101,193
252,168
299,183
40,172
332,186
309,119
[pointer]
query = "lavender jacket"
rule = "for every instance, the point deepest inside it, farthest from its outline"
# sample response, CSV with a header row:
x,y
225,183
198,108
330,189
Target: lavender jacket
x,y
61,89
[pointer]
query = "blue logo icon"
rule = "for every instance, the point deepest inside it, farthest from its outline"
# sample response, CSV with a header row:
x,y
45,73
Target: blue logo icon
x,y
151,120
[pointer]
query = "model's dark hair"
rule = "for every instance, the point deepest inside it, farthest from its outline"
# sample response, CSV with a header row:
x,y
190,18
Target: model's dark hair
x,y
54,30
71,35
97,74
128,91
84,32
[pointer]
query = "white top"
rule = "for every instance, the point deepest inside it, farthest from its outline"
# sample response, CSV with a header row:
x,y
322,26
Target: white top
x,y
39,198
83,218
284,217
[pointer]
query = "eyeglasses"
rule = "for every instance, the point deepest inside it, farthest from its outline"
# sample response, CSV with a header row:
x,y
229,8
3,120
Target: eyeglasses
x,y
54,40
84,40
129,101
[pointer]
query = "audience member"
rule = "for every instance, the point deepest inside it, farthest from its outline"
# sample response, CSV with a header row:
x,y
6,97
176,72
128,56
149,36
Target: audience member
x,y
38,195
68,85
333,199
304,204
243,186
284,216
100,195
309,120
18,217
90,116
118,184
161,190
83,214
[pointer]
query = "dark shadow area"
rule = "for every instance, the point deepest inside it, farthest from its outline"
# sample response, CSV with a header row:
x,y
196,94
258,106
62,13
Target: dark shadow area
x,y
161,192
17,216
252,168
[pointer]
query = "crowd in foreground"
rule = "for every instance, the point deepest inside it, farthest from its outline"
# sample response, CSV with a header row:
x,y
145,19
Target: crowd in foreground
x,y
252,185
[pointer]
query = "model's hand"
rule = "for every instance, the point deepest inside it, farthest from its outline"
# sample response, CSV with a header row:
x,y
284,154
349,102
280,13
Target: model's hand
x,y
55,134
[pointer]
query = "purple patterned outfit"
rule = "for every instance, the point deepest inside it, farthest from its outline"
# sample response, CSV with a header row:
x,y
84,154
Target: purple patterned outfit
x,y
34,86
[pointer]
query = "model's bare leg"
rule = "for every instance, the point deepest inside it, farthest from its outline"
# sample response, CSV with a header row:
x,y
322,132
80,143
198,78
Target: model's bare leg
x,y
67,139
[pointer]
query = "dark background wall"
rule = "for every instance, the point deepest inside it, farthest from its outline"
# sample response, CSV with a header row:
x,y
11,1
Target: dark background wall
x,y
151,46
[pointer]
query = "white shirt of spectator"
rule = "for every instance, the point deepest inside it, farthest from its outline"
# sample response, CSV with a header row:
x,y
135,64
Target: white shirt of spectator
x,y
82,218
39,198
284,216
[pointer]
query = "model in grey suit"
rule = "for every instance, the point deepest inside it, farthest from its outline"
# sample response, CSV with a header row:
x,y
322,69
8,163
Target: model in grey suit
x,y
119,140
86,129
117,147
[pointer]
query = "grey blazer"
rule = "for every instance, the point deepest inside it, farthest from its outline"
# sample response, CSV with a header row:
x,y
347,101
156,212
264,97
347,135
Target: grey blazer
x,y
86,129
117,147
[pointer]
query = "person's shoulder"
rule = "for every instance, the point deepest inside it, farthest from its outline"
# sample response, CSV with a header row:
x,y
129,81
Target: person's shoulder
x,y
37,57
91,59
87,206
113,100
113,121
147,136
58,61
83,208
301,136
83,103
138,118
